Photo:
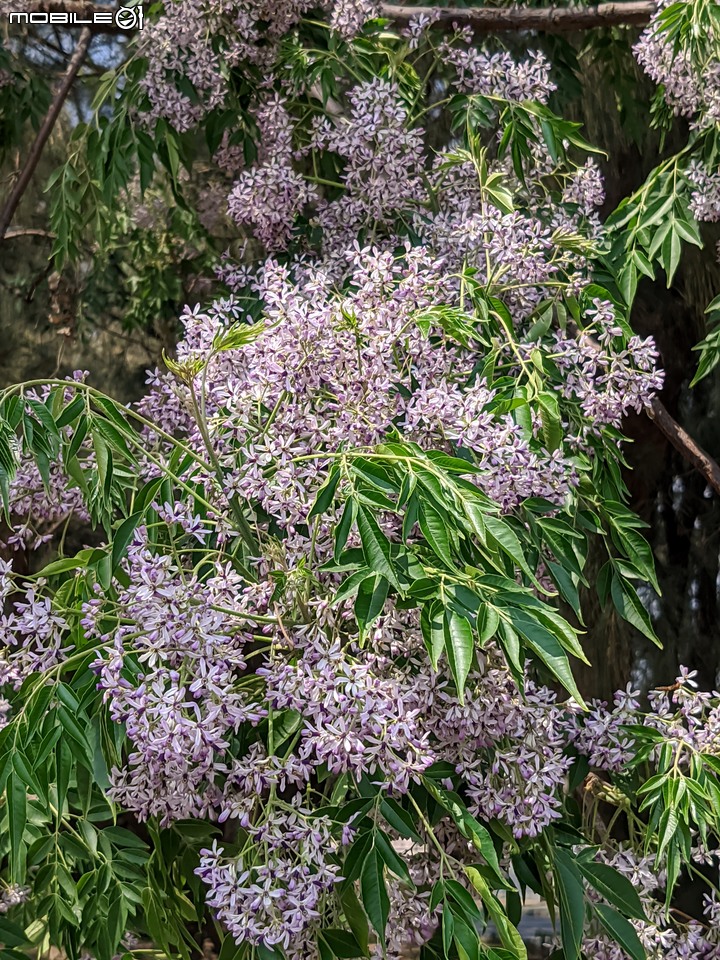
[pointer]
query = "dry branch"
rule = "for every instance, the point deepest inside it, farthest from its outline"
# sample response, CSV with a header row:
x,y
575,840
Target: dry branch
x,y
685,445
14,232
547,19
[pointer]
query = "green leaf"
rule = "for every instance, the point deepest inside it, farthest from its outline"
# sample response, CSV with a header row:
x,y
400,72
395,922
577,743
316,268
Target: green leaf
x,y
688,231
566,585
376,547
464,899
630,607
460,648
621,930
551,421
16,794
435,531
356,857
114,438
510,644
448,928
12,935
400,819
505,539
670,254
355,917
432,624
351,585
667,829
709,356
102,458
390,858
571,898
342,531
61,566
326,493
26,774
509,935
8,448
342,944
614,887
371,596
638,551
77,440
535,620
548,650
123,536
488,620
75,731
374,894
44,416
468,826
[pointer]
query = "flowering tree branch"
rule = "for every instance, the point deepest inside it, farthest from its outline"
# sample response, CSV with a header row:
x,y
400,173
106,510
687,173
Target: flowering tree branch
x,y
684,444
8,210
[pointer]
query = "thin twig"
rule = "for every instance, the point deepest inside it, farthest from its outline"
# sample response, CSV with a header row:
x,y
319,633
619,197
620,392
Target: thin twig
x,y
13,232
21,184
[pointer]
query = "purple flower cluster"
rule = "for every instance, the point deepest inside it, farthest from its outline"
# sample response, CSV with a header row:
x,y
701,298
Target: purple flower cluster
x,y
33,635
499,75
196,41
356,719
688,940
383,169
690,74
40,507
40,510
607,382
705,200
12,896
585,188
272,194
274,899
509,745
202,664
599,734
171,672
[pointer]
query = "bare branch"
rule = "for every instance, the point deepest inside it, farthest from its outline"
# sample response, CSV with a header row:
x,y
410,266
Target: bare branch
x,y
545,19
685,445
27,232
8,211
